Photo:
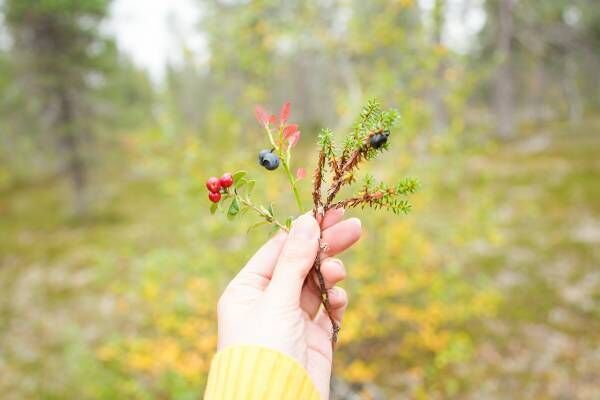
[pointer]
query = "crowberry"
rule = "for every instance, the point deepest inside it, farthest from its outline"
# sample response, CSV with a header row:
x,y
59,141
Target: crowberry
x,y
213,185
226,180
379,139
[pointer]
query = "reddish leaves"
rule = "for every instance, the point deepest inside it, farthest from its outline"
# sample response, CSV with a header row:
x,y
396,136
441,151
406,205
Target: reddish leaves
x,y
262,116
294,138
300,174
284,114
289,132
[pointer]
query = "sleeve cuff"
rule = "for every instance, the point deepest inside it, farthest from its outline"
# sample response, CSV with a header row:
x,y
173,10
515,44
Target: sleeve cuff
x,y
253,372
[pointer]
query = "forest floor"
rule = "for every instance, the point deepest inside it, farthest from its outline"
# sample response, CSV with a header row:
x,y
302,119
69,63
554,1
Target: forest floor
x,y
545,340
58,279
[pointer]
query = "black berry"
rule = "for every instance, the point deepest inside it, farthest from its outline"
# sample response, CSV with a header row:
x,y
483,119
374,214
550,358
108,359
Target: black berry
x,y
270,161
379,139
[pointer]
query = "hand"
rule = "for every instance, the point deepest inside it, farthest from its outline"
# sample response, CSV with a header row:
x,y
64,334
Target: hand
x,y
268,304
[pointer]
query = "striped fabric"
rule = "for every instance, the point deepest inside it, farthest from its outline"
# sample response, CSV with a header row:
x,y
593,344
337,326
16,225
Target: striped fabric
x,y
253,372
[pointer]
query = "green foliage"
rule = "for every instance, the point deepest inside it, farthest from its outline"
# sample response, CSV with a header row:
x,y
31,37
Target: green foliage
x,y
495,270
325,142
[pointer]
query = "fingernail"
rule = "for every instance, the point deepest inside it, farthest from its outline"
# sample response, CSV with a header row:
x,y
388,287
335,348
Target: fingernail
x,y
305,227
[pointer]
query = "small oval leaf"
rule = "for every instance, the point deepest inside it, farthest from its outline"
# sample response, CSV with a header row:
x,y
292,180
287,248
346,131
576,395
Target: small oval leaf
x,y
234,208
238,175
256,225
250,187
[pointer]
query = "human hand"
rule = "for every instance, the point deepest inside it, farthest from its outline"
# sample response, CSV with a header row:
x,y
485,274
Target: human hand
x,y
267,303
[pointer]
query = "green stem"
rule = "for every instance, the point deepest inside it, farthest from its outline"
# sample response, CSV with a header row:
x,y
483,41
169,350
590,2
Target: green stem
x,y
293,184
270,219
285,162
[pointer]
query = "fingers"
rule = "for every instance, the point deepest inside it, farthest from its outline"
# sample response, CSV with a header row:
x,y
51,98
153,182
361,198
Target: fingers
x,y
331,218
338,301
258,271
295,260
341,236
338,236
333,272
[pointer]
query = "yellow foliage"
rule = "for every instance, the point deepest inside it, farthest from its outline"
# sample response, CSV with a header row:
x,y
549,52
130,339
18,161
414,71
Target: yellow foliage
x,y
359,371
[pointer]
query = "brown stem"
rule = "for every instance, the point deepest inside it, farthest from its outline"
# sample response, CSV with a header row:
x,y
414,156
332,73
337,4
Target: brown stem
x,y
345,165
322,289
318,180
365,198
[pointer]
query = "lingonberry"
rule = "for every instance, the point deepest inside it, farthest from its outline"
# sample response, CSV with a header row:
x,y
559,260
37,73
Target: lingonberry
x,y
226,180
214,196
270,161
213,184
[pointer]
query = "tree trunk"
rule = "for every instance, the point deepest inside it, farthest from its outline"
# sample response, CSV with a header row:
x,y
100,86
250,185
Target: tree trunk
x,y
574,102
70,144
440,111
504,85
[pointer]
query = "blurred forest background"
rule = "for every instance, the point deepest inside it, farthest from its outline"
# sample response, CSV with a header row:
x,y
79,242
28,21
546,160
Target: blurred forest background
x,y
111,266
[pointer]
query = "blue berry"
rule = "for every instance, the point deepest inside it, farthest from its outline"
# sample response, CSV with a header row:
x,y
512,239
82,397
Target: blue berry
x,y
261,155
270,161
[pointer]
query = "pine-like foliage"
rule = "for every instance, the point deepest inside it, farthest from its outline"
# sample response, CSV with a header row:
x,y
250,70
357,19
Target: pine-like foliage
x,y
360,146
369,137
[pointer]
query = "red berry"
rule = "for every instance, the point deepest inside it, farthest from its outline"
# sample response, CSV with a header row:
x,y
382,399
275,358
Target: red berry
x,y
213,185
226,180
214,197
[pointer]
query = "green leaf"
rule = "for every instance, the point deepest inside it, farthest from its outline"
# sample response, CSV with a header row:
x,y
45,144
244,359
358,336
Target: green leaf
x,y
240,183
288,222
238,176
250,187
263,210
234,209
256,225
271,212
274,229
244,210
213,208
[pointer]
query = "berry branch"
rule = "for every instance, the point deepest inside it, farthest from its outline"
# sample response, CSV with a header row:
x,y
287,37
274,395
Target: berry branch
x,y
368,138
287,137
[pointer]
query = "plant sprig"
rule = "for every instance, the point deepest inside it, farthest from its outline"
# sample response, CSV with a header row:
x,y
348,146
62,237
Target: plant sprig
x,y
336,167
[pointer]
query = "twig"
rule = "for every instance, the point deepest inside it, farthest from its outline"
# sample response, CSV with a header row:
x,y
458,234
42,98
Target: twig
x,y
268,217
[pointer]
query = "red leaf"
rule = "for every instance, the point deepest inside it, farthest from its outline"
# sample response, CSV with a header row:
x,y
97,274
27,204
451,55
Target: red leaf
x,y
300,174
272,119
294,138
290,130
284,114
262,116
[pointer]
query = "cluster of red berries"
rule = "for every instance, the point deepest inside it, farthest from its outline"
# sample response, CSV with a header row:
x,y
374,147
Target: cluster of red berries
x,y
216,186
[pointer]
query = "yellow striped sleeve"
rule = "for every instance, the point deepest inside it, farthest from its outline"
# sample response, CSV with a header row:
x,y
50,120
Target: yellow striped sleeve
x,y
253,372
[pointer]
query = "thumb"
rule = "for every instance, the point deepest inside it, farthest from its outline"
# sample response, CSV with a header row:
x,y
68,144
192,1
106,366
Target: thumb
x,y
295,260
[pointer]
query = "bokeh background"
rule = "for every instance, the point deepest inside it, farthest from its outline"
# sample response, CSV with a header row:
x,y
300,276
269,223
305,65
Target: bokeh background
x,y
113,113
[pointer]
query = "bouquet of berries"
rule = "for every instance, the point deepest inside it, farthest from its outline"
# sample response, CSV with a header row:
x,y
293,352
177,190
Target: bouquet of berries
x,y
336,168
